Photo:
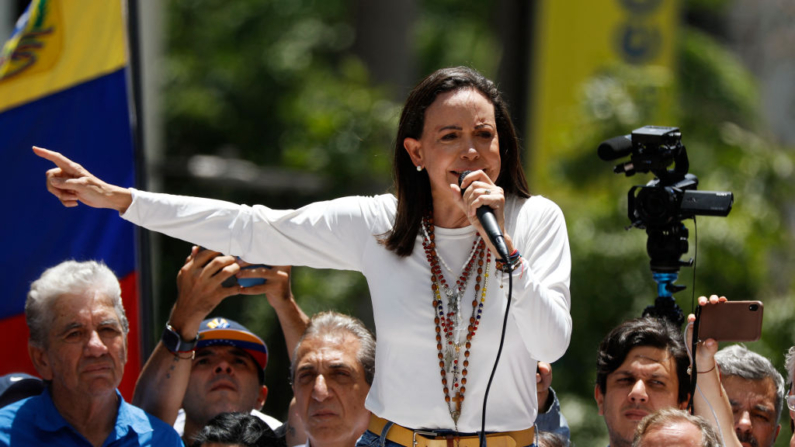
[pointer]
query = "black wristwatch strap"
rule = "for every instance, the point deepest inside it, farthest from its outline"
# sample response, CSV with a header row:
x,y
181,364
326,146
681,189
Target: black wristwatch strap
x,y
174,342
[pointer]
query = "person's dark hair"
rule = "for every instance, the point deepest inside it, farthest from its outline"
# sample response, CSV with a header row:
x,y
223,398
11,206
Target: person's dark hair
x,y
646,331
550,439
237,428
413,188
334,324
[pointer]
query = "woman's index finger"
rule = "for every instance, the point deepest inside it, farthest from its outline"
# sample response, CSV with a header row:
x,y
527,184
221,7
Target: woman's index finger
x,y
56,157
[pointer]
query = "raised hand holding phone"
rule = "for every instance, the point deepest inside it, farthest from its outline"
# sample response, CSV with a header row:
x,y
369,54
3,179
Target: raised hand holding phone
x,y
707,395
731,321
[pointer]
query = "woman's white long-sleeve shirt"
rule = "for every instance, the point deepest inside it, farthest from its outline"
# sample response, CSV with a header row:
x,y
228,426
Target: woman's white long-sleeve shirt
x,y
344,233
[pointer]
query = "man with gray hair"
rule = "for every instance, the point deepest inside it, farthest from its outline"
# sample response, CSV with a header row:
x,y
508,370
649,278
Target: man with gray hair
x,y
332,370
756,393
670,426
78,344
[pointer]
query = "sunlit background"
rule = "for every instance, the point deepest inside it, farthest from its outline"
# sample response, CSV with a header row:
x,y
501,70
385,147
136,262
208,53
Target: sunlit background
x,y
285,102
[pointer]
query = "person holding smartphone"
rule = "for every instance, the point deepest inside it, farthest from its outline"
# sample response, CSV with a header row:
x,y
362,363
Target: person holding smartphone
x,y
206,366
643,367
711,400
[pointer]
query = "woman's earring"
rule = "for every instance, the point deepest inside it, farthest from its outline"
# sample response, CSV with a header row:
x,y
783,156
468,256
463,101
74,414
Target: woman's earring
x,y
419,168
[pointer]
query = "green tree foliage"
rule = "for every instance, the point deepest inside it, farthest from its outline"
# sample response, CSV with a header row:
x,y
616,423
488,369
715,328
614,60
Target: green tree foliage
x,y
454,32
274,81
744,256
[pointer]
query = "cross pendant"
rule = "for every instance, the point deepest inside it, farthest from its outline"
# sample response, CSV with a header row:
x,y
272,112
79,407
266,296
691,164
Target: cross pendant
x,y
458,398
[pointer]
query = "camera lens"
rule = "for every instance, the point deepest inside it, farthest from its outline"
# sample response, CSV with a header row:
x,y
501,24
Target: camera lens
x,y
753,307
657,206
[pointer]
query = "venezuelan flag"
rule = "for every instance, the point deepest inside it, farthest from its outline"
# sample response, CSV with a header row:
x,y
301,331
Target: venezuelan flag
x,y
63,84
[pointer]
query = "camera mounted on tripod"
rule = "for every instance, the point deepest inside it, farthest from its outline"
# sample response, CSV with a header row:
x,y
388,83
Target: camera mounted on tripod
x,y
660,206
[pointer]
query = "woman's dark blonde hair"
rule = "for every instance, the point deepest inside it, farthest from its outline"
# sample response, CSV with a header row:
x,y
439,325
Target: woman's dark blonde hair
x,y
413,188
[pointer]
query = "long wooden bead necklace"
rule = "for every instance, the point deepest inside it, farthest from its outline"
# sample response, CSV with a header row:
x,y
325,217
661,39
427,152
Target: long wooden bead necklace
x,y
448,343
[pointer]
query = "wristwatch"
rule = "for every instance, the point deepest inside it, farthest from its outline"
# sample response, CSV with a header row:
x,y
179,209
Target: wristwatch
x,y
174,343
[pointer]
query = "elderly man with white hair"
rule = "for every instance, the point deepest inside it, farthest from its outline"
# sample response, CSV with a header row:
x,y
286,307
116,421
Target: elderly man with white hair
x,y
78,344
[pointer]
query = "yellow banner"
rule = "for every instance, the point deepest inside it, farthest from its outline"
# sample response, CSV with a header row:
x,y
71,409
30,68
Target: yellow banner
x,y
62,43
576,40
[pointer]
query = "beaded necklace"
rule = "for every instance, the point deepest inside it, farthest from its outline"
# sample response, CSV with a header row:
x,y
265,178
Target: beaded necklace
x,y
448,345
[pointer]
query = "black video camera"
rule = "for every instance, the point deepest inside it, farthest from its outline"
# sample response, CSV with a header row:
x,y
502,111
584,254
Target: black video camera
x,y
660,206
672,196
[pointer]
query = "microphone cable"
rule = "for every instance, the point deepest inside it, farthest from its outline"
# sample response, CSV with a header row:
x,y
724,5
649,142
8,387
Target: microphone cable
x,y
482,435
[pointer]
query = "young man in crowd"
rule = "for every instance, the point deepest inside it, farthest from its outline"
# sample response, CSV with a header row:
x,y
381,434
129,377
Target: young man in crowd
x,y
211,366
641,368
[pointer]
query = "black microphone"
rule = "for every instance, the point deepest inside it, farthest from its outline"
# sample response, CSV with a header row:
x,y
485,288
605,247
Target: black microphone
x,y
489,222
616,147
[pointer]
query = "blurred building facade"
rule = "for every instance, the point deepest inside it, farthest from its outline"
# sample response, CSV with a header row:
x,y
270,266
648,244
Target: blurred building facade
x,y
763,35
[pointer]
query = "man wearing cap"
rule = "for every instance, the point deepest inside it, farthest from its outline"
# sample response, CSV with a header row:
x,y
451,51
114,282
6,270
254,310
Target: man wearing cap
x,y
212,366
227,376
78,344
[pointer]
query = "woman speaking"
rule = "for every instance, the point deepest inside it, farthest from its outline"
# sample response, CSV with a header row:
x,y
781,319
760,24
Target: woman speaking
x,y
438,285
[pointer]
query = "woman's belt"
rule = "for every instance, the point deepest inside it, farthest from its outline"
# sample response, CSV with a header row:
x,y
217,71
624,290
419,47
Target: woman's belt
x,y
420,438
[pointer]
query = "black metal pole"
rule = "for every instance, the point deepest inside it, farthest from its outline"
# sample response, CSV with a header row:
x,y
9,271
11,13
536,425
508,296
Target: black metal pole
x,y
143,252
516,22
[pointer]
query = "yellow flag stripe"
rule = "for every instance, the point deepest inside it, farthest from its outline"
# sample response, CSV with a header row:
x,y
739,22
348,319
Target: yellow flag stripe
x,y
64,43
576,40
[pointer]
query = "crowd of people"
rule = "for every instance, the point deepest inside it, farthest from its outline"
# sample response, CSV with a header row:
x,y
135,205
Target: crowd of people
x,y
445,295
